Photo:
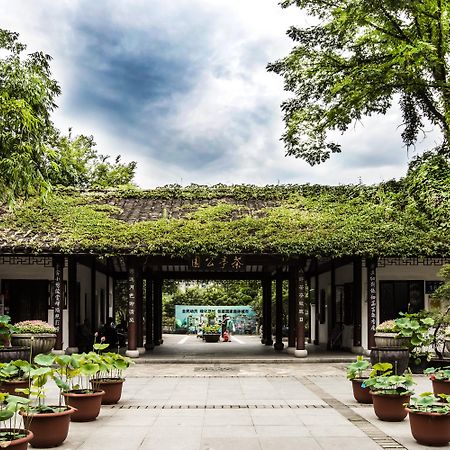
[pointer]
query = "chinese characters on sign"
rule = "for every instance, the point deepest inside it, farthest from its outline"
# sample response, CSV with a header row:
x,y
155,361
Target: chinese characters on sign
x,y
301,297
372,293
225,262
131,296
57,294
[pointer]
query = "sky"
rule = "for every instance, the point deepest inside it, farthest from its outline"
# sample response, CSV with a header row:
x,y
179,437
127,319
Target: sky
x,y
181,87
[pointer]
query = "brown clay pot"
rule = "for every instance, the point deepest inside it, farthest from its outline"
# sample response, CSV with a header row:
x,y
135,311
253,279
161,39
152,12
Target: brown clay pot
x,y
49,429
390,407
430,428
87,405
441,387
11,386
112,388
361,394
19,444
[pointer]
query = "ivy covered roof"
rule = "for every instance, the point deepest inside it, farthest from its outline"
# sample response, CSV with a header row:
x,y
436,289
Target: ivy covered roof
x,y
285,220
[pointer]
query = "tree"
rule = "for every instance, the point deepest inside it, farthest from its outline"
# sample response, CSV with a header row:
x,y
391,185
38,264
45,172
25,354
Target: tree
x,y
78,164
27,98
360,57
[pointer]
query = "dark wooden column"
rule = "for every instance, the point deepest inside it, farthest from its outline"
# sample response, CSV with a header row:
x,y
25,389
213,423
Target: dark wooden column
x,y
139,310
292,307
279,313
94,315
157,310
357,301
300,350
132,331
267,306
371,301
149,336
58,299
317,303
108,296
73,305
332,315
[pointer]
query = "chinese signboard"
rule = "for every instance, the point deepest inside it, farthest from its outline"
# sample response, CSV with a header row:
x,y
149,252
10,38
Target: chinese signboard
x,y
224,262
189,317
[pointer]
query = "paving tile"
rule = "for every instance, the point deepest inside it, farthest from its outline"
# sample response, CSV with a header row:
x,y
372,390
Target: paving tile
x,y
225,431
282,431
242,443
347,443
289,443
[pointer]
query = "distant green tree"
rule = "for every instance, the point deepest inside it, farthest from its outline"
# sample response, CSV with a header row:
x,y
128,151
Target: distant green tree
x,y
359,58
27,98
77,163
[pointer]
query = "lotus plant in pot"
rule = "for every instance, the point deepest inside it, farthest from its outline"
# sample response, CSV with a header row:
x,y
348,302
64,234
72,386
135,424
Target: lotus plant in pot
x,y
440,378
15,377
48,422
355,373
13,433
110,377
429,418
76,372
389,392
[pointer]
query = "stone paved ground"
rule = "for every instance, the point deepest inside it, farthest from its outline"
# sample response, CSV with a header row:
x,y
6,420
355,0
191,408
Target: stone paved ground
x,y
239,407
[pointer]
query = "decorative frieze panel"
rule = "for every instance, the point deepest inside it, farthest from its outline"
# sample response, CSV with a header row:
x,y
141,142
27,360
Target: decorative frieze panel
x,y
45,261
415,261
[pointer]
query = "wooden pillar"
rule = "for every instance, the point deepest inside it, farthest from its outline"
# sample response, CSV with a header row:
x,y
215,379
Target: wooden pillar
x,y
267,305
108,296
157,311
279,313
132,331
292,307
357,301
149,336
300,350
331,319
139,311
94,315
58,300
73,304
317,317
371,301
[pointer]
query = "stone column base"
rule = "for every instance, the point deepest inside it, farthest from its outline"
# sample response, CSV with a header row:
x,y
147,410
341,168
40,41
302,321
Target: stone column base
x,y
301,353
71,350
141,350
278,346
291,350
132,353
58,352
358,350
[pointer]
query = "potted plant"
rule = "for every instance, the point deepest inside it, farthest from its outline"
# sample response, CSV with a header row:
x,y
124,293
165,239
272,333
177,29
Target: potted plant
x,y
14,377
49,423
440,378
12,432
109,378
7,352
389,392
387,335
355,372
75,374
211,333
43,334
429,418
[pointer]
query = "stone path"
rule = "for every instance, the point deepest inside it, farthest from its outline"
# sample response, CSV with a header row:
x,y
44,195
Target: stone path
x,y
239,407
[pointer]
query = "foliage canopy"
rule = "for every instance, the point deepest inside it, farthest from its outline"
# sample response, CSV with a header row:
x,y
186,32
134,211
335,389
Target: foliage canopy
x,y
360,57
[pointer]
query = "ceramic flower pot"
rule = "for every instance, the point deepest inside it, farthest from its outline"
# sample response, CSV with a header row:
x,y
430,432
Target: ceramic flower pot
x,y
49,429
430,429
11,386
112,388
21,443
8,354
41,343
361,394
397,356
87,405
390,407
441,386
390,340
